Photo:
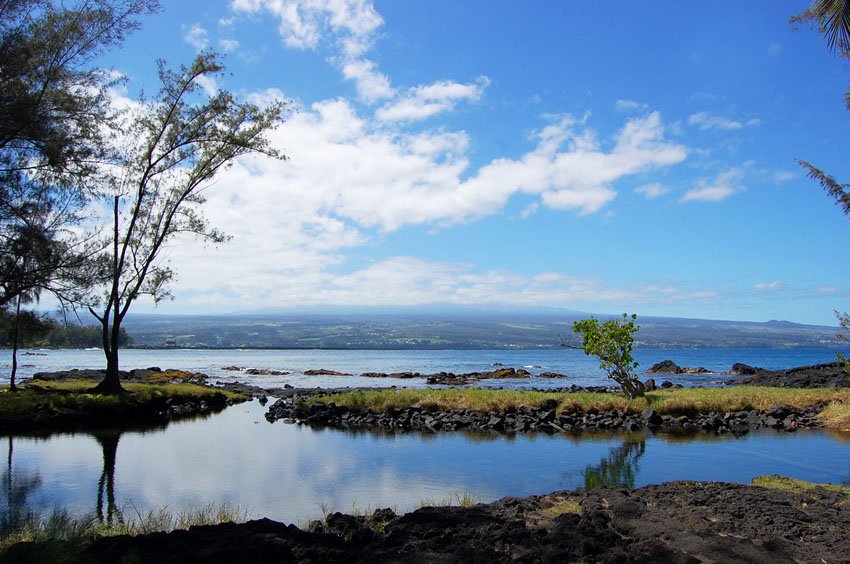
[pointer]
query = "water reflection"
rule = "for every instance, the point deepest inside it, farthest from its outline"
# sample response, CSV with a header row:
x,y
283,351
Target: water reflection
x,y
287,472
17,488
106,485
619,468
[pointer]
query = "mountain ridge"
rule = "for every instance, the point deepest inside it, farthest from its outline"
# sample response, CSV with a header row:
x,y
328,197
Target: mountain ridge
x,y
460,329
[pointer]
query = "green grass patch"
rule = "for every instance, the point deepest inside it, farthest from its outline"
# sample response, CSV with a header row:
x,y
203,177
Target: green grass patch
x,y
688,401
61,536
783,483
563,506
40,402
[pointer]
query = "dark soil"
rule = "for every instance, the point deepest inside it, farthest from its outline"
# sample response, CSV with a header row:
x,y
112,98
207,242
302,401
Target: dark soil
x,y
817,376
673,522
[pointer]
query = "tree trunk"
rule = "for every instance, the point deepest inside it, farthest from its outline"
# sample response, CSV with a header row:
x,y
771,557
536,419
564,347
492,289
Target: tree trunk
x,y
111,383
12,386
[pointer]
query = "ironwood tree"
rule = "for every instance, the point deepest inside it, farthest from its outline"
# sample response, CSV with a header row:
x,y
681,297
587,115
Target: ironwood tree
x,y
172,149
53,104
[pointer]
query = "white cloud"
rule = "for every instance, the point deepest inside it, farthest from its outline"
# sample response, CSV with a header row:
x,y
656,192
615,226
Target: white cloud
x,y
784,175
383,179
706,121
303,21
228,45
196,36
530,210
651,191
208,84
293,222
630,106
425,101
721,187
349,24
828,289
769,286
775,49
411,281
372,85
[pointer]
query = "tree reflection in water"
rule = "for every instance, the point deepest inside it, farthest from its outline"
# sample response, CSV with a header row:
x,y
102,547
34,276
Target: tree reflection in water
x,y
108,441
619,468
17,487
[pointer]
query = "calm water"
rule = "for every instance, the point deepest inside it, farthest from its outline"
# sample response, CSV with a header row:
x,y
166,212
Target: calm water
x,y
580,368
289,472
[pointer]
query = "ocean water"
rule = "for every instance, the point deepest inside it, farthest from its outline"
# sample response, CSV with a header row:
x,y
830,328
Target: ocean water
x,y
579,368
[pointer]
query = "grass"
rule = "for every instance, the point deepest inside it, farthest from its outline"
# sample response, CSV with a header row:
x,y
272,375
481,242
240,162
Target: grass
x,y
45,402
836,416
688,401
464,499
60,536
562,506
799,486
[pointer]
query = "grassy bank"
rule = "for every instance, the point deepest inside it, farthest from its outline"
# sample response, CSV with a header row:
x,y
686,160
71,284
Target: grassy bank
x,y
798,486
46,403
61,536
687,401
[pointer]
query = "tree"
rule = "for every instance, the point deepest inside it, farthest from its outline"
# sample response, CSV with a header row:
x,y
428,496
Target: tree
x,y
612,343
172,148
833,20
53,104
844,323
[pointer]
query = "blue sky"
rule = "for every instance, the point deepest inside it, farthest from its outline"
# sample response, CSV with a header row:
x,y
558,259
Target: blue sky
x,y
593,156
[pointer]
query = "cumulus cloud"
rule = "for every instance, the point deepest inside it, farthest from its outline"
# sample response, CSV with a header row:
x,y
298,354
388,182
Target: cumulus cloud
x,y
196,36
372,85
388,179
346,181
349,24
428,100
706,121
725,184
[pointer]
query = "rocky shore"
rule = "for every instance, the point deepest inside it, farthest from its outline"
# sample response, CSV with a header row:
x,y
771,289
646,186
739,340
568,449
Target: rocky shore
x,y
541,419
827,375
671,522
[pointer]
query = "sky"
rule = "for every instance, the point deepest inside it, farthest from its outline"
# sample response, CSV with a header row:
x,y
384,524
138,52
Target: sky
x,y
603,157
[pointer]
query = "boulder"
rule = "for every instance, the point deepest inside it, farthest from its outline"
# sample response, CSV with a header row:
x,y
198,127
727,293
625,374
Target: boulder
x,y
741,369
324,372
665,367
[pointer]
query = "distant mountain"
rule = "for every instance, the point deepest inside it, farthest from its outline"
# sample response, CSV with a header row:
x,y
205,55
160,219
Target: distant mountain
x,y
455,328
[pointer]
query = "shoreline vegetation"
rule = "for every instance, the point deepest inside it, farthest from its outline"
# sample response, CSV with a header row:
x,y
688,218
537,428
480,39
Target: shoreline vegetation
x,y
774,519
715,410
72,404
